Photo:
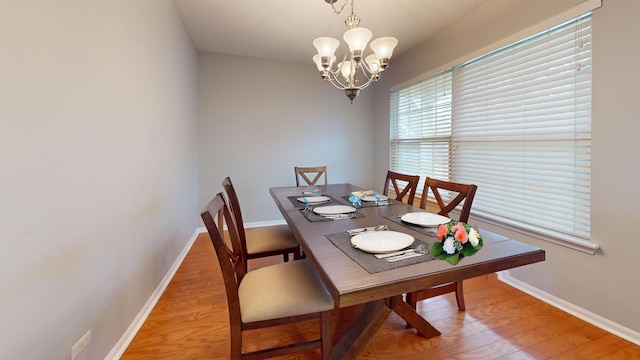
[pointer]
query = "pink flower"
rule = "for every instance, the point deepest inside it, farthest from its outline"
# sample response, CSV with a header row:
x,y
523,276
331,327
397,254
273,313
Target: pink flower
x,y
460,234
442,232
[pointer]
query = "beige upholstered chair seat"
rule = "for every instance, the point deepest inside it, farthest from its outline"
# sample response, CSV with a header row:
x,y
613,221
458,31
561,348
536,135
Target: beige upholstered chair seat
x,y
272,238
282,290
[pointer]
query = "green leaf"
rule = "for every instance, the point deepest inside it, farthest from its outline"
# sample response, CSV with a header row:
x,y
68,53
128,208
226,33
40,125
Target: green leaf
x,y
468,251
436,248
453,259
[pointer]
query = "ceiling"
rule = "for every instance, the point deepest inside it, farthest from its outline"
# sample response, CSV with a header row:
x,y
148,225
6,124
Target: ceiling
x,y
284,29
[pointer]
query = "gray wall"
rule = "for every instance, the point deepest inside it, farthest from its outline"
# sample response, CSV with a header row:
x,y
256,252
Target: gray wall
x,y
605,283
98,167
260,118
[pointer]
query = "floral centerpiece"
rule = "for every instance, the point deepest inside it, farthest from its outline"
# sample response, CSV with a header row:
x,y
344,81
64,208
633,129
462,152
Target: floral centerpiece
x,y
456,240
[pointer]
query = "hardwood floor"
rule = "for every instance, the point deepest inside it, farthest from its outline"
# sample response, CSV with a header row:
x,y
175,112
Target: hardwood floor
x,y
190,321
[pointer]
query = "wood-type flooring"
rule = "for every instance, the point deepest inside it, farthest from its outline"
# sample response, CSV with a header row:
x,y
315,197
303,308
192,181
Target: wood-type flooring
x,y
190,321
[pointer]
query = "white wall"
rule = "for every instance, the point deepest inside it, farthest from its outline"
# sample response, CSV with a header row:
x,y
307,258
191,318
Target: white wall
x,y
98,167
260,118
606,283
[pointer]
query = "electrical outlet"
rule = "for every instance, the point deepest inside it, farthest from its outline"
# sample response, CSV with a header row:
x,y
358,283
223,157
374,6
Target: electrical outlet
x,y
80,345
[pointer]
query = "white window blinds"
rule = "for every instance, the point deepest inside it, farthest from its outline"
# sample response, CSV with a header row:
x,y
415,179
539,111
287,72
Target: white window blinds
x,y
421,132
517,123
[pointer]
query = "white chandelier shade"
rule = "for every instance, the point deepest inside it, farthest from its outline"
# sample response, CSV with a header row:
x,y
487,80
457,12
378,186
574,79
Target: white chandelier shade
x,y
357,39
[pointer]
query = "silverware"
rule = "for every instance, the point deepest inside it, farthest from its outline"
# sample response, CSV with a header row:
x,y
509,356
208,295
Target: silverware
x,y
397,253
339,216
404,257
365,229
419,250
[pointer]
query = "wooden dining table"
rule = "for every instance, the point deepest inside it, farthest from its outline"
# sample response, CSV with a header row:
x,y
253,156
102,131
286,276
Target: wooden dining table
x,y
381,292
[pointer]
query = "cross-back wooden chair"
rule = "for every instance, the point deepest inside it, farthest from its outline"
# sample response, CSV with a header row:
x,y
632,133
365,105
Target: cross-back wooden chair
x,y
459,193
304,172
403,185
272,240
263,298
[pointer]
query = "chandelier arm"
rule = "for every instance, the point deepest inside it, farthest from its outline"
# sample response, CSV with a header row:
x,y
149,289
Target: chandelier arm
x,y
335,81
369,81
365,69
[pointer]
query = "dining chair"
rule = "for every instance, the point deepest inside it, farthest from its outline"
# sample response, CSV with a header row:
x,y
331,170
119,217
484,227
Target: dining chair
x,y
403,184
457,193
270,296
316,172
271,240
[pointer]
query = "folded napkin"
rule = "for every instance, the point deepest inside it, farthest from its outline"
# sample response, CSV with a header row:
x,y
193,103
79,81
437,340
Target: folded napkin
x,y
363,193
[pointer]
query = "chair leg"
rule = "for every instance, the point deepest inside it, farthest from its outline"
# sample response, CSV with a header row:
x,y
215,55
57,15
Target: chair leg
x,y
236,341
325,333
285,257
460,295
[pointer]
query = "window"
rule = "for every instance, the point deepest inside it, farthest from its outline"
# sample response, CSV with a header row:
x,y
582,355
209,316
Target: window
x,y
421,134
517,123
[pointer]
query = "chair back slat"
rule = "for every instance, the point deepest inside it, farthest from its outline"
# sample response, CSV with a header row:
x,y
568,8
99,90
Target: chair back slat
x,y
463,192
403,185
316,171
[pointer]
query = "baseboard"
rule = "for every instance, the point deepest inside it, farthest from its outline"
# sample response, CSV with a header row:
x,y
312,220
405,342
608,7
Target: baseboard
x,y
264,223
130,333
594,319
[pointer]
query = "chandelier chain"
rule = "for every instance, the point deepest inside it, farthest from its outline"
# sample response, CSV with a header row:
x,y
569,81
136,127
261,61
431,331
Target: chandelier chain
x,y
338,12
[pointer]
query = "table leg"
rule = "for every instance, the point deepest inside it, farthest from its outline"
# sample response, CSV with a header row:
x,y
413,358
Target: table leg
x,y
412,318
361,331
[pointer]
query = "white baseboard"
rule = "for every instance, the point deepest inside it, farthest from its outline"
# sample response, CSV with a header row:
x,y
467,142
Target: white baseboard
x,y
594,319
132,330
264,223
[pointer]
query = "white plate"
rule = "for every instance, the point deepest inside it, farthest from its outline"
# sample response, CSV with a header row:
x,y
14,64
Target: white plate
x,y
314,199
378,242
373,198
334,209
425,219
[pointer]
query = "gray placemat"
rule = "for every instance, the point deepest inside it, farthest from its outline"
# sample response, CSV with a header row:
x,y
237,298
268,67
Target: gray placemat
x,y
372,203
368,261
311,216
298,204
430,231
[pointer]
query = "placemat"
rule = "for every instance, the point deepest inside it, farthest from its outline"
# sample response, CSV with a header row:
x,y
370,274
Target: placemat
x,y
298,204
311,216
371,203
430,231
368,261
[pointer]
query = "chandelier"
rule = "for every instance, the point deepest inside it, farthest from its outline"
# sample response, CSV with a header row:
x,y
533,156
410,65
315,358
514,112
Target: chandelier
x,y
352,74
